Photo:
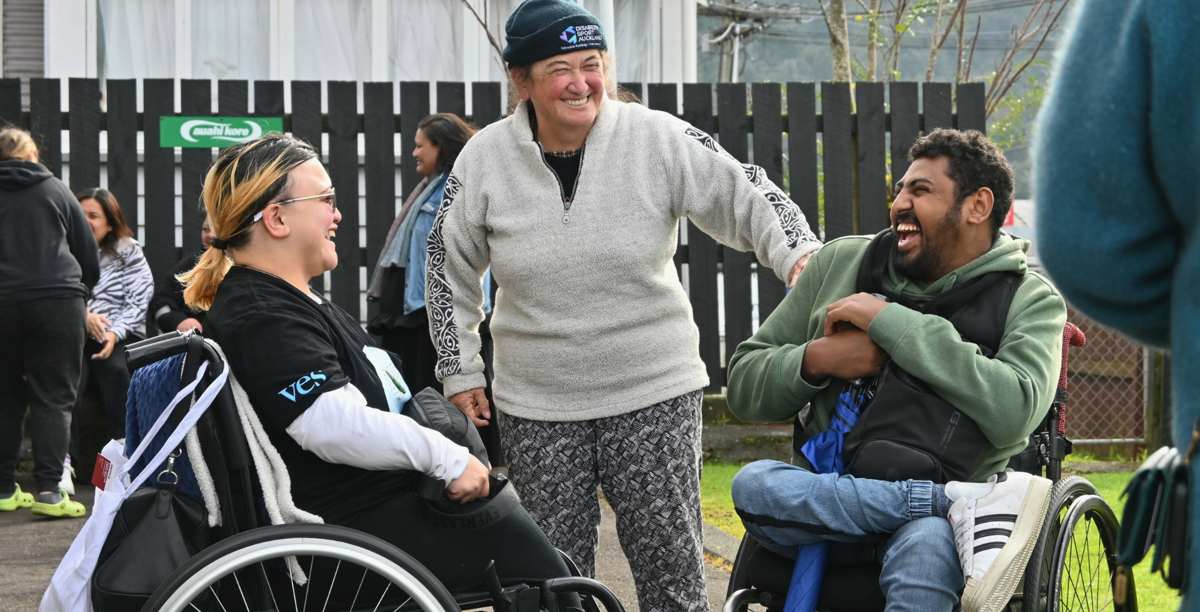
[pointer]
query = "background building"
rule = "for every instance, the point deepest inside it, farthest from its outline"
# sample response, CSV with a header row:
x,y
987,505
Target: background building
x,y
319,40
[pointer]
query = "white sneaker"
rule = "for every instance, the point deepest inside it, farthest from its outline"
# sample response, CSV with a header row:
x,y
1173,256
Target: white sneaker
x,y
995,535
67,483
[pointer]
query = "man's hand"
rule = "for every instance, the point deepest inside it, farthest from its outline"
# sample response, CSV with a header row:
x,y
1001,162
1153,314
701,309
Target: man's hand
x,y
857,310
847,355
797,269
110,340
471,484
96,326
189,323
474,403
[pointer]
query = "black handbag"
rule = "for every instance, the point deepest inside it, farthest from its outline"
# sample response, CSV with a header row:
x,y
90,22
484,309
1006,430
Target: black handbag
x,y
431,409
1156,514
155,531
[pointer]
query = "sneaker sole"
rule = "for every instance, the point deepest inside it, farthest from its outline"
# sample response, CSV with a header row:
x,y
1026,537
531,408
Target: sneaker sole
x,y
993,592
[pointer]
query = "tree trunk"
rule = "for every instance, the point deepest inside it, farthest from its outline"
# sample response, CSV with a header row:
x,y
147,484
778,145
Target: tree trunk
x,y
873,42
839,40
934,47
725,74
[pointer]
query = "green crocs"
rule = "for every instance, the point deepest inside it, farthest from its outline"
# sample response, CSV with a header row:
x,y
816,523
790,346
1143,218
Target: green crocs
x,y
19,499
65,508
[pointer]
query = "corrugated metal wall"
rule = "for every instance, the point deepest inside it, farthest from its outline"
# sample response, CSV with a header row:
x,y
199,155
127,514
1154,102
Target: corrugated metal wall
x,y
24,42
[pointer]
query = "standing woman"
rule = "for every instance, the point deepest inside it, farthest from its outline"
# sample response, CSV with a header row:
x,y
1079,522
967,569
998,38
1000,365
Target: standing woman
x,y
48,264
116,313
574,201
399,281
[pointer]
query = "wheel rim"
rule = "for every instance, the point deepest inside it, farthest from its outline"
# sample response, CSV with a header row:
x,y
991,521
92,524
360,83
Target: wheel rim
x,y
1083,563
351,564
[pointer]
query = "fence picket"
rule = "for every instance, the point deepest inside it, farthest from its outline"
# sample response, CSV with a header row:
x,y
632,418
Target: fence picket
x,y
45,121
122,148
872,167
195,101
158,100
10,101
306,125
972,114
906,124
768,154
268,99
452,98
663,97
414,106
487,107
702,251
839,160
938,106
732,121
343,171
802,151
379,129
84,135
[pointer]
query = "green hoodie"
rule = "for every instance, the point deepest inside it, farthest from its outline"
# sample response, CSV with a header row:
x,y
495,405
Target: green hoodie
x,y
1007,396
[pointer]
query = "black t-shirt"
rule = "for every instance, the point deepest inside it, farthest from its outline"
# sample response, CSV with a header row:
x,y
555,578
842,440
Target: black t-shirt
x,y
286,350
567,169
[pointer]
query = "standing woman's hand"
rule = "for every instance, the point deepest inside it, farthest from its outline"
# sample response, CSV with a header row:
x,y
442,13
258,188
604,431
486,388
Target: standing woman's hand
x,y
110,341
797,269
474,403
97,324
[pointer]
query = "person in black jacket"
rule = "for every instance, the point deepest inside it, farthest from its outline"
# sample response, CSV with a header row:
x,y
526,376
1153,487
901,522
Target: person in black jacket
x,y
169,311
49,263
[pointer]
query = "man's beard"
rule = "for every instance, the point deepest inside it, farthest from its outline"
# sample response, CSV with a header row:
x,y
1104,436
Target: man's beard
x,y
927,265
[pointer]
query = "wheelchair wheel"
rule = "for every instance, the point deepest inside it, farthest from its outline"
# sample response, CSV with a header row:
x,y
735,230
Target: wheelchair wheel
x,y
1074,559
1085,557
345,570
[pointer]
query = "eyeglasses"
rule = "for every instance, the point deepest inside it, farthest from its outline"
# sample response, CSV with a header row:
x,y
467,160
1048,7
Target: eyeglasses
x,y
330,201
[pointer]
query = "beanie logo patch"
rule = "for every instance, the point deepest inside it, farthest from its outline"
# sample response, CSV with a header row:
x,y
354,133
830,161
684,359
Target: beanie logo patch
x,y
569,35
583,36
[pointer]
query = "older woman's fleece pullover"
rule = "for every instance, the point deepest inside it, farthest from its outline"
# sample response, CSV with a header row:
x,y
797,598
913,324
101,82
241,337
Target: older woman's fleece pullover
x,y
590,319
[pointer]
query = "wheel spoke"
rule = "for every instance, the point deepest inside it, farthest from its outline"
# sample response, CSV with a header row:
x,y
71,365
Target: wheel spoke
x,y
240,591
397,608
384,594
262,570
218,598
359,589
332,584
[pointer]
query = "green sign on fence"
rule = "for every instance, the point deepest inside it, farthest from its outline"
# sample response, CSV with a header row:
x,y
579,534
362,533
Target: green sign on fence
x,y
213,132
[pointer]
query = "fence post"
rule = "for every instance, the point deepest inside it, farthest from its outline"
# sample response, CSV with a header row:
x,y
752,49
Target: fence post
x,y
1156,422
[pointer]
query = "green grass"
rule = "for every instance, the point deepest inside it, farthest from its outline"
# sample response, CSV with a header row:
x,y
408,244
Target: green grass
x,y
1153,594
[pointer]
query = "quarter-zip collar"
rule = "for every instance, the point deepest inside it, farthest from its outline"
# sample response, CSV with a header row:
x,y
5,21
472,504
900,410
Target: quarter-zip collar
x,y
599,135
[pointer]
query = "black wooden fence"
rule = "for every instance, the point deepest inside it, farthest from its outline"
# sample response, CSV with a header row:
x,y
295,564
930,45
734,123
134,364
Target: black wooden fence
x,y
860,127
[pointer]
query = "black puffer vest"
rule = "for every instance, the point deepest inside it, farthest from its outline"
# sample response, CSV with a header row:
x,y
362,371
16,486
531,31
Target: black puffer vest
x,y
907,431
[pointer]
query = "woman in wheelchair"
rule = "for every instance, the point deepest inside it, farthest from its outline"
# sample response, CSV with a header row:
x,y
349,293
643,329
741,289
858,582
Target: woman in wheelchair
x,y
301,361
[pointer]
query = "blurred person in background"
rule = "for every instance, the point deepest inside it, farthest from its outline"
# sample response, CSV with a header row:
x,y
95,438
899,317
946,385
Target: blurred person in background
x,y
48,265
1115,171
116,312
169,310
399,280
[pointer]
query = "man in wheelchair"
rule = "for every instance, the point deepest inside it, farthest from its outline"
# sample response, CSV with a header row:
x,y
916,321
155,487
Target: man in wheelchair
x,y
961,342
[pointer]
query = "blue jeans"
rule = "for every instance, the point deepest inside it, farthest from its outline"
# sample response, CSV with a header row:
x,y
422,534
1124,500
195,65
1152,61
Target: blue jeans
x,y
921,570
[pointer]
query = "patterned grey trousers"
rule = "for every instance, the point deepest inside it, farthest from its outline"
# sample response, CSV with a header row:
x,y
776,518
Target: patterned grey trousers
x,y
648,464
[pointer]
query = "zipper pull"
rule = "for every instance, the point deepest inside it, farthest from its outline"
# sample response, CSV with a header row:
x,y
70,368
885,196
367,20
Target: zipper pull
x,y
566,216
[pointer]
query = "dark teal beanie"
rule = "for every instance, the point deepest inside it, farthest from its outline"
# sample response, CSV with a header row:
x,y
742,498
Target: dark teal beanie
x,y
539,29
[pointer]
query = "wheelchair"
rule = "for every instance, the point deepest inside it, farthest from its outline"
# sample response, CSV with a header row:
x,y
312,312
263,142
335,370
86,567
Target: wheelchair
x,y
256,567
1073,565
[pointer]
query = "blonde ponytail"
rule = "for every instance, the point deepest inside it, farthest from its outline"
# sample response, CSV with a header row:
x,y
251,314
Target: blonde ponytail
x,y
242,182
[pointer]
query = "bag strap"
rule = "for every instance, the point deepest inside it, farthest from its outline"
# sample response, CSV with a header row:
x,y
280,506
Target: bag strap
x,y
176,438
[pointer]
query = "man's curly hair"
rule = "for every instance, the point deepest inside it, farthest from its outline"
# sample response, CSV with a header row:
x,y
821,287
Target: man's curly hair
x,y
975,162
